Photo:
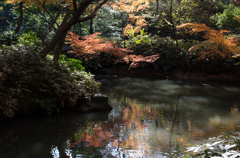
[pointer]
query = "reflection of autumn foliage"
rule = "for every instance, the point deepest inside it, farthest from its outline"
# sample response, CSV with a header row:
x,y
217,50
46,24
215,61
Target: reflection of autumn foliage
x,y
134,117
100,135
139,112
138,130
96,136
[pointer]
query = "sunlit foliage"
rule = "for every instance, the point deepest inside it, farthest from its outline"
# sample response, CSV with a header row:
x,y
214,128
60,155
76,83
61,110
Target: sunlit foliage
x,y
216,44
221,146
229,18
136,22
93,45
40,3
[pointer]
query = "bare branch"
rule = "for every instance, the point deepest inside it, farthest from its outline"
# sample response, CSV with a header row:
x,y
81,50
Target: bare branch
x,y
86,18
44,7
52,24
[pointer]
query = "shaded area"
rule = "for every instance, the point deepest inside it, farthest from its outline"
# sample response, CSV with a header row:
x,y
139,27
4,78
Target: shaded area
x,y
150,118
37,137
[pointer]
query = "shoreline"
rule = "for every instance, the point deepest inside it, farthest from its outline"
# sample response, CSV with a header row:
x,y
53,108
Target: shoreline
x,y
123,71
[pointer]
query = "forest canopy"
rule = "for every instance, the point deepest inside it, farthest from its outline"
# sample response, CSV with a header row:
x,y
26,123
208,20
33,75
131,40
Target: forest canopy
x,y
147,27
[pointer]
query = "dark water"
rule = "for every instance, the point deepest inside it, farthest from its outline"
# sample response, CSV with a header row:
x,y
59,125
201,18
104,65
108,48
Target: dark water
x,y
151,118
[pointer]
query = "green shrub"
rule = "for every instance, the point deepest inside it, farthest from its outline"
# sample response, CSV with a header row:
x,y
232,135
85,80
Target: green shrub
x,y
227,21
29,39
30,84
8,37
71,63
145,44
140,43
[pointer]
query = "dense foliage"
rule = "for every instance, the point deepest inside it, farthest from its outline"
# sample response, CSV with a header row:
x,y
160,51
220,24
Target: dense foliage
x,y
29,83
216,45
193,36
226,19
149,28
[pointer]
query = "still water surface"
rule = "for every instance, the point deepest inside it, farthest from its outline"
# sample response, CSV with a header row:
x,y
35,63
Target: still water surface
x,y
151,118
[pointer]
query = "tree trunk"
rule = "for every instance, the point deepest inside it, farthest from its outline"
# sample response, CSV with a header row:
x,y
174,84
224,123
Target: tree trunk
x,y
63,29
157,6
58,51
60,34
21,18
91,26
175,33
173,27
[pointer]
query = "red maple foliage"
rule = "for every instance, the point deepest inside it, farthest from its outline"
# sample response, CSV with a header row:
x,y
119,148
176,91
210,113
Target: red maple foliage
x,y
139,60
92,45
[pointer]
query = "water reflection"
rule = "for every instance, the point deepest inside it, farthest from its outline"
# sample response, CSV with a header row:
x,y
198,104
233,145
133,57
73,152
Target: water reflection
x,y
41,137
184,114
151,118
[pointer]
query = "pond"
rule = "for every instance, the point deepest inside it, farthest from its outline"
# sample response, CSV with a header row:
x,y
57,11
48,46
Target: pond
x,y
151,118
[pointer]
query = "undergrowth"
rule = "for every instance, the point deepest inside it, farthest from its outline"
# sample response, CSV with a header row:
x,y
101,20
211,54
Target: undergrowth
x,y
30,84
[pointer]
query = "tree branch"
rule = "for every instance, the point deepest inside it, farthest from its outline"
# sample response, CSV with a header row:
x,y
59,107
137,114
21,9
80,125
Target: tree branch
x,y
75,6
44,7
82,7
67,15
52,24
93,14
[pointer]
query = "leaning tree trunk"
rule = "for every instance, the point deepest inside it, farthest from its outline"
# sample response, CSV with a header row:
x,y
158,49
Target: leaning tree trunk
x,y
66,24
21,18
60,34
54,21
58,51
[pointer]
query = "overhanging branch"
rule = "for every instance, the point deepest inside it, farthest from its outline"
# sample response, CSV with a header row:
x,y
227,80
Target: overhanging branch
x,y
93,14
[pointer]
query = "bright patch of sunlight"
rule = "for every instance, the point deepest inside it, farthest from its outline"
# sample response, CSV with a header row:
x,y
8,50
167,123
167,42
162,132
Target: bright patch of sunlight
x,y
55,152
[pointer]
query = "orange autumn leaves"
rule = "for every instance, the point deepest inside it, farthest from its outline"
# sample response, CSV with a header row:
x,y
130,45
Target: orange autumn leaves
x,y
136,22
92,45
128,6
102,134
216,44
